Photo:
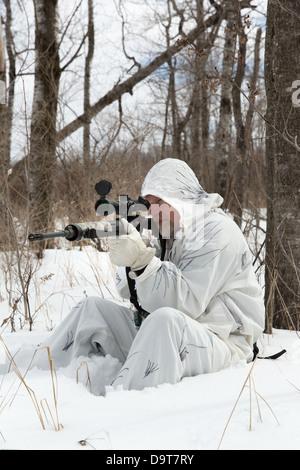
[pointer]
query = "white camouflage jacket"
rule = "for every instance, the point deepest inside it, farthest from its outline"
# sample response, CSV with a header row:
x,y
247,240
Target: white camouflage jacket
x,y
207,272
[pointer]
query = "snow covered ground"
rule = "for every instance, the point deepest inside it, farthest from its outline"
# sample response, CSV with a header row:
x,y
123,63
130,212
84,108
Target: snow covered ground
x,y
191,415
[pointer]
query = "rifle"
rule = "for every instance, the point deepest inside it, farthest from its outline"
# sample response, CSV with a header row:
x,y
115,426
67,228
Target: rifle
x,y
125,207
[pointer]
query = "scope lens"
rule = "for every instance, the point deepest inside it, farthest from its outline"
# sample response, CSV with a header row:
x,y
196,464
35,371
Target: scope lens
x,y
103,187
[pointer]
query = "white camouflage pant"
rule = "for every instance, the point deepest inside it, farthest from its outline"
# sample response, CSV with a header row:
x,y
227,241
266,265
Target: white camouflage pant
x,y
168,346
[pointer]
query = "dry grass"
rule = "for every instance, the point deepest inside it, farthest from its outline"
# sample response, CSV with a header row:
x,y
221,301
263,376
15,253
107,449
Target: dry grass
x,y
249,383
39,407
88,382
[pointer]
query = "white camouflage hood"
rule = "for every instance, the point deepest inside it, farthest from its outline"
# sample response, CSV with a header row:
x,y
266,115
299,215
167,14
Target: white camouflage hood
x,y
174,182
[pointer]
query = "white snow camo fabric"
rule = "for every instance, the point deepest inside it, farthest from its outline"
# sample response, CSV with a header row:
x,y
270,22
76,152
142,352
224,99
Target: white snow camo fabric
x,y
208,274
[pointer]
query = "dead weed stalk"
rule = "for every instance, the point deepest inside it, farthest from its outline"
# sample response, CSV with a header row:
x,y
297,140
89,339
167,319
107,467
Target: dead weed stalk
x,y
248,384
38,406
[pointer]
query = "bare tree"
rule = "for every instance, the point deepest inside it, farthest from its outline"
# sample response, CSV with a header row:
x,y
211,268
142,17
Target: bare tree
x,y
87,84
199,122
5,128
233,137
43,120
243,125
11,79
282,68
3,108
223,144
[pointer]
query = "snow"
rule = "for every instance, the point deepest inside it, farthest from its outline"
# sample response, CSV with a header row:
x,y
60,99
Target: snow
x,y
189,416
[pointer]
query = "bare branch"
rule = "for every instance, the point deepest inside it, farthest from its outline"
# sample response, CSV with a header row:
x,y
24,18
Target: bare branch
x,y
127,86
135,63
76,53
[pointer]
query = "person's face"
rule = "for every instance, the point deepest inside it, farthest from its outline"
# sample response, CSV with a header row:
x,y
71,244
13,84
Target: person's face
x,y
165,216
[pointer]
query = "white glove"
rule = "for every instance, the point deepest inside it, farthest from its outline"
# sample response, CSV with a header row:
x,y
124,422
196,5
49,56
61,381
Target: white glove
x,y
130,250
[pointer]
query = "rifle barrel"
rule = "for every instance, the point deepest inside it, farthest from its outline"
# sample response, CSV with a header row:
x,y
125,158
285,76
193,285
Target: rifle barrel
x,y
43,236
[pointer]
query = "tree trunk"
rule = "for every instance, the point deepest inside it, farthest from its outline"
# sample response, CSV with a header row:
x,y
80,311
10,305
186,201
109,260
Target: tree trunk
x,y
86,173
6,116
11,79
3,109
43,122
239,159
87,86
4,163
270,263
282,68
176,130
200,113
223,146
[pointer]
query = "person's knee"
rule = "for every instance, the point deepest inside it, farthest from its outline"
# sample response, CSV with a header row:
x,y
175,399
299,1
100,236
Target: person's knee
x,y
108,310
94,301
91,306
163,316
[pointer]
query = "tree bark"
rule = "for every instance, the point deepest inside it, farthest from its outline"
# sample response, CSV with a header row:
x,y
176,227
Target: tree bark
x,y
87,86
270,263
86,173
6,117
3,143
3,109
11,79
200,113
43,121
223,144
282,68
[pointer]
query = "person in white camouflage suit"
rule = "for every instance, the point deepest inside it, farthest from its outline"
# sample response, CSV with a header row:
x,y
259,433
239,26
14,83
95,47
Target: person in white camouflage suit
x,y
205,305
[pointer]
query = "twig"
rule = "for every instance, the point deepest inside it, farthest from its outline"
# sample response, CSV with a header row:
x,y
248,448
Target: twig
x,y
31,393
240,394
88,374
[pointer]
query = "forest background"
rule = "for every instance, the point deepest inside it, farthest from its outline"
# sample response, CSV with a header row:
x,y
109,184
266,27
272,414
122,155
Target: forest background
x,y
96,90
